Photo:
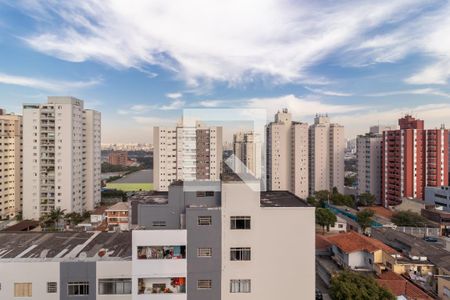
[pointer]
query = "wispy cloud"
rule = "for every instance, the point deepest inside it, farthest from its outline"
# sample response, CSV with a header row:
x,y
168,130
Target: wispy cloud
x,y
425,91
46,84
229,41
327,92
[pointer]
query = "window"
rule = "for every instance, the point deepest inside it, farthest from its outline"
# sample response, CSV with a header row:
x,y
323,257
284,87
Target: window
x,y
237,254
204,252
204,284
23,289
159,223
78,288
161,252
205,194
240,222
240,286
114,286
204,220
51,287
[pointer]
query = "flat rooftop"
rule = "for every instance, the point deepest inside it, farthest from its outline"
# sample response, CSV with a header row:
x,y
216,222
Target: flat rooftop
x,y
281,199
64,245
152,197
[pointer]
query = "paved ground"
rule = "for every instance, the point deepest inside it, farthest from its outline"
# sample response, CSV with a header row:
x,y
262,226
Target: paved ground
x,y
143,176
322,287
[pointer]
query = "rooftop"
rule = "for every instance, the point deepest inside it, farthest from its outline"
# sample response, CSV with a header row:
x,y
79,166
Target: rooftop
x,y
155,198
281,199
123,206
352,241
64,245
399,286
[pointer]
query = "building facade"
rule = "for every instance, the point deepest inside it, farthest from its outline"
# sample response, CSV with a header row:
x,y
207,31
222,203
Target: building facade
x,y
118,158
10,165
186,153
287,155
438,196
412,158
247,150
326,155
368,155
61,157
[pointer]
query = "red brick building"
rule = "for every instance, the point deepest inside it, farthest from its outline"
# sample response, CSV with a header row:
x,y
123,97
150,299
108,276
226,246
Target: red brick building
x,y
412,158
118,158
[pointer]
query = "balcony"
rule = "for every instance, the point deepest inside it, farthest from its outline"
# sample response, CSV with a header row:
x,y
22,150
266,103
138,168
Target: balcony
x,y
169,285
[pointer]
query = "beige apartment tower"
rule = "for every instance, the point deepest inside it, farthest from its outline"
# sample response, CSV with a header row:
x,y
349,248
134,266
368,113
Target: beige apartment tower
x,y
61,157
326,155
186,153
247,150
287,155
10,165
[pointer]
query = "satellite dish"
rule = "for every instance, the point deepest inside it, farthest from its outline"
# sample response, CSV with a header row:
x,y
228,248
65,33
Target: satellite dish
x,y
102,252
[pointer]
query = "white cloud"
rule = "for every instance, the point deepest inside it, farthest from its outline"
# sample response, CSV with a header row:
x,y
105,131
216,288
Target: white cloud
x,y
425,91
174,105
174,95
46,84
201,41
327,92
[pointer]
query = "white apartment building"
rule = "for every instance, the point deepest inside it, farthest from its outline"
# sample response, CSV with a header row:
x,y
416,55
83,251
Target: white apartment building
x,y
10,164
287,155
368,155
186,153
247,150
61,157
326,155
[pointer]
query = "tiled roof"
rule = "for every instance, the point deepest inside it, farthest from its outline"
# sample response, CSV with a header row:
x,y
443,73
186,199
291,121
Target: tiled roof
x,y
399,286
381,211
352,241
119,206
322,242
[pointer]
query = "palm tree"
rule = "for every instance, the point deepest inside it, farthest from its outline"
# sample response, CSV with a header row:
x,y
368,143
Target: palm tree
x,y
56,215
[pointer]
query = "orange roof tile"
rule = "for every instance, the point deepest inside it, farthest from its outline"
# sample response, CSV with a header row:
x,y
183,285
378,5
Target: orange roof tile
x,y
352,241
322,242
381,211
400,286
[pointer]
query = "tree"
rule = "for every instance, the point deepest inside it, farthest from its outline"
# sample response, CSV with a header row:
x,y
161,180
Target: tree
x,y
366,199
408,219
364,218
322,197
74,218
350,285
312,201
325,218
56,215
339,199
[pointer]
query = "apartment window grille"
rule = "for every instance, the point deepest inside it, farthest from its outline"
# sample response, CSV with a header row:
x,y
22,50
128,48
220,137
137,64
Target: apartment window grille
x,y
240,286
204,252
78,288
23,289
114,286
204,284
240,254
240,222
204,220
52,287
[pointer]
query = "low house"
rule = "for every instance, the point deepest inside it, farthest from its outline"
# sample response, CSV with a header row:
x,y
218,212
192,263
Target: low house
x,y
359,252
340,225
117,216
98,215
400,287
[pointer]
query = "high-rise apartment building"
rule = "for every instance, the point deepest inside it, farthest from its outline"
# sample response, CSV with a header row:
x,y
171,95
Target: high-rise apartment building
x,y
186,153
119,158
412,158
61,157
287,155
247,151
326,155
223,238
368,155
10,164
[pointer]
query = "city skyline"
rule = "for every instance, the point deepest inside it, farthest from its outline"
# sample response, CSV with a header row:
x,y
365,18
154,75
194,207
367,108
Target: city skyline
x,y
383,61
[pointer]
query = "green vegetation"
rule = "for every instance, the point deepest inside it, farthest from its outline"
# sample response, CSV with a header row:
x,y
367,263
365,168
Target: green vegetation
x,y
51,220
350,180
408,219
364,218
349,285
130,187
321,197
325,218
366,199
108,168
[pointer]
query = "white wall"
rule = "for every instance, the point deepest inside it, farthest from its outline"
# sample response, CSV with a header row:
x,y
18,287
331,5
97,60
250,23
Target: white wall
x,y
38,273
113,269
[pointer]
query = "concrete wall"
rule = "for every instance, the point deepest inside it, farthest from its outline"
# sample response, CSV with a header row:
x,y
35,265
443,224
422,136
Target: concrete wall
x,y
78,271
203,268
110,270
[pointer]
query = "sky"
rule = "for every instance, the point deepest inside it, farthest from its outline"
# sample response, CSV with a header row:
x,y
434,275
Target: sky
x,y
140,63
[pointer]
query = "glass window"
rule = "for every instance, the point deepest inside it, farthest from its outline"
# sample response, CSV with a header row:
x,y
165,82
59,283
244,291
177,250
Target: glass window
x,y
204,220
114,286
51,287
161,252
240,222
240,286
78,288
204,284
204,252
23,289
237,254
159,223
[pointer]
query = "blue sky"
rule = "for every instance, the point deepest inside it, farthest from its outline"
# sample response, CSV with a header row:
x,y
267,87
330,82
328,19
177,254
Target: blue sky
x,y
141,62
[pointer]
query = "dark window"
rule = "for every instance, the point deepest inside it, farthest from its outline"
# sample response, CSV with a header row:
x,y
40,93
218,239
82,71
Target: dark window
x,y
78,288
240,254
240,222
